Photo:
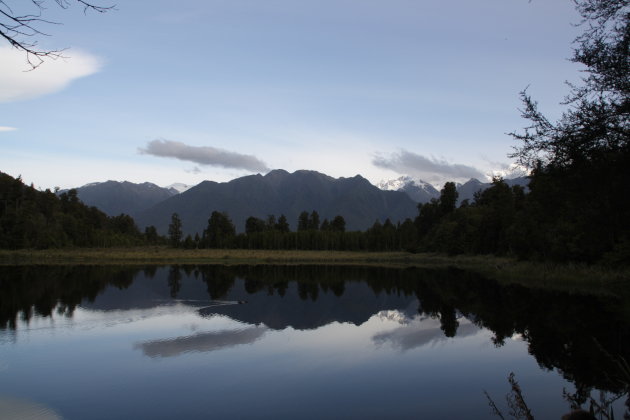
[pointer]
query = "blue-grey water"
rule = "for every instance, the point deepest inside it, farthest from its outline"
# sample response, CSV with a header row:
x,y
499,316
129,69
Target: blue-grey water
x,y
282,342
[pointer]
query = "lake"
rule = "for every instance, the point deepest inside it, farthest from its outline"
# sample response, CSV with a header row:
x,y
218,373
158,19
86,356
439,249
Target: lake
x,y
200,342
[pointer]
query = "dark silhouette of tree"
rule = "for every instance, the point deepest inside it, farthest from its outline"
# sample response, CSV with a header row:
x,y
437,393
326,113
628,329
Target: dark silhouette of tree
x,y
313,221
448,321
338,224
429,214
448,198
175,230
174,280
219,280
254,225
20,23
375,236
581,163
40,219
151,235
408,236
270,223
220,232
282,225
124,224
303,221
189,242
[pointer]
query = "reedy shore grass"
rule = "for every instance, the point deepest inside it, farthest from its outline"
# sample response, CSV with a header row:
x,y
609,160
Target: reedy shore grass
x,y
579,278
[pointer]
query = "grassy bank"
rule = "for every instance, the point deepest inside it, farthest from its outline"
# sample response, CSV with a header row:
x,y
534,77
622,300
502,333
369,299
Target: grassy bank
x,y
165,255
574,277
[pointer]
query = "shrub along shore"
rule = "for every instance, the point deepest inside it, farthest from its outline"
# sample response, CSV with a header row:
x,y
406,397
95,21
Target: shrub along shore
x,y
569,277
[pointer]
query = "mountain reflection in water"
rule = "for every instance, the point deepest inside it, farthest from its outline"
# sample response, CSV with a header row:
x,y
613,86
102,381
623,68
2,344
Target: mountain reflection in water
x,y
579,336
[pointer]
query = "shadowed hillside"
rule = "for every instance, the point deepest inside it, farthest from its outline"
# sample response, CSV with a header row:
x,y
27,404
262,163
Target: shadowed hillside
x,y
280,192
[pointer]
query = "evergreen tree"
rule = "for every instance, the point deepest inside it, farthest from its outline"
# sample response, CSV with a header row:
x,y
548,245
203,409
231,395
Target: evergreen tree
x,y
338,224
254,225
581,163
282,225
270,224
175,230
313,221
303,221
448,198
151,235
220,232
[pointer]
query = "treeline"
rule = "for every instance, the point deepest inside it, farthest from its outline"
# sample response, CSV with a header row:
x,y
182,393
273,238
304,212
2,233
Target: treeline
x,y
545,221
578,207
566,216
312,234
42,219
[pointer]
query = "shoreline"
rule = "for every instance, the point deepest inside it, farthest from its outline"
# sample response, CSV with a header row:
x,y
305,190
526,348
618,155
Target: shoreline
x,y
569,277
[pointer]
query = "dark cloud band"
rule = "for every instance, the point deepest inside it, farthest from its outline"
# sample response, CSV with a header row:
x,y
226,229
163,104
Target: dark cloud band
x,y
204,155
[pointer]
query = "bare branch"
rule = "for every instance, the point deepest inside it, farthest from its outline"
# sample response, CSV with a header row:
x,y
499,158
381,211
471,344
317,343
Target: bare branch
x,y
16,28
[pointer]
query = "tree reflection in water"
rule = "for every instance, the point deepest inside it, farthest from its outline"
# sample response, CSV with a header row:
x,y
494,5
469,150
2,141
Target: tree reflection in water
x,y
581,336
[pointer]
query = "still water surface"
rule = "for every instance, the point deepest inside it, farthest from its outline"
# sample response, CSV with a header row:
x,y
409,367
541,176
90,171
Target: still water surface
x,y
201,342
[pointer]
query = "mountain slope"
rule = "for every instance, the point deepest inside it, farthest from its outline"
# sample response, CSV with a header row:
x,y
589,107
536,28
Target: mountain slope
x,y
280,192
114,198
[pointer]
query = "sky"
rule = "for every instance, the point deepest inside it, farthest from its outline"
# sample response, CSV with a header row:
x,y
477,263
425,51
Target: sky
x,y
218,89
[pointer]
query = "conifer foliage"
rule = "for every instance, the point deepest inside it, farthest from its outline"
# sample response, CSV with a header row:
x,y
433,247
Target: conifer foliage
x,y
41,219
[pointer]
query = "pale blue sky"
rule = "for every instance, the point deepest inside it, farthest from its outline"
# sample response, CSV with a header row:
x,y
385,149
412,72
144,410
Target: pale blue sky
x,y
334,86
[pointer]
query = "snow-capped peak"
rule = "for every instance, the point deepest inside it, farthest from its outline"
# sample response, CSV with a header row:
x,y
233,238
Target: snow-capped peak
x,y
179,187
404,181
394,184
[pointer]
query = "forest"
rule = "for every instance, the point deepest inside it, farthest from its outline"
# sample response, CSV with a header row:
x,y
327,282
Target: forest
x,y
576,206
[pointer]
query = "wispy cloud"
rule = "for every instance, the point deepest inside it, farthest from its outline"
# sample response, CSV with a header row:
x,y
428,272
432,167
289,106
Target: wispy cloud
x,y
2,128
195,170
429,169
204,155
18,84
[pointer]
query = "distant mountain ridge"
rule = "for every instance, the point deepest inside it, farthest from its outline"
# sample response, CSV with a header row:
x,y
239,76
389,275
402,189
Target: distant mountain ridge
x,y
422,192
277,192
417,189
280,192
114,197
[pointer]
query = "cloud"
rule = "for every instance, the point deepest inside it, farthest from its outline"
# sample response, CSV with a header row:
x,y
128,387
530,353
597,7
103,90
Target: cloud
x,y
17,84
195,170
204,155
7,129
507,170
428,169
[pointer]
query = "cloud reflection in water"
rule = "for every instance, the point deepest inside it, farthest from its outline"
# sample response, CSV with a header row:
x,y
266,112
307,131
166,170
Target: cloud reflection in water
x,y
201,342
418,332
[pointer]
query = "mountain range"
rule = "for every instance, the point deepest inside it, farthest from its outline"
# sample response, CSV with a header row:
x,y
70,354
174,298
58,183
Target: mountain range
x,y
422,192
114,198
278,192
418,190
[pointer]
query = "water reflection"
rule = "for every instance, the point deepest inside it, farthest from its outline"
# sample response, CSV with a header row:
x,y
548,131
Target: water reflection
x,y
418,332
200,342
12,408
571,333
